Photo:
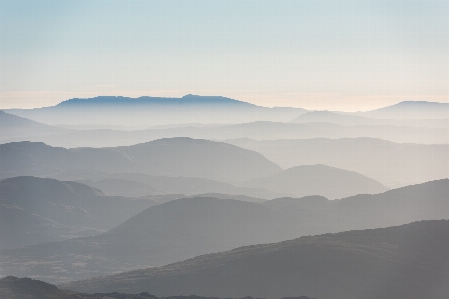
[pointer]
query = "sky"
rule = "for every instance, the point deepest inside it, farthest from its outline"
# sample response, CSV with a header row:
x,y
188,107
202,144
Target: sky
x,y
324,55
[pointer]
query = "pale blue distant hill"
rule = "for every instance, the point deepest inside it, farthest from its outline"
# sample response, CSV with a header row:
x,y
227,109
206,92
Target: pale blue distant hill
x,y
189,99
152,111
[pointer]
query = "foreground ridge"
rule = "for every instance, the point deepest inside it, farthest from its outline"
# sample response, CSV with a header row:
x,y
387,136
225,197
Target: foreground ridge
x,y
408,261
18,288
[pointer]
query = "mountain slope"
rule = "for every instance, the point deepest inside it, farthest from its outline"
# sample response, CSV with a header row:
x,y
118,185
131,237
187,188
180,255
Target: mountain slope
x,y
13,127
354,119
259,130
408,261
36,210
10,121
188,227
313,202
172,157
336,118
197,158
427,201
411,110
122,187
318,180
163,234
392,164
147,185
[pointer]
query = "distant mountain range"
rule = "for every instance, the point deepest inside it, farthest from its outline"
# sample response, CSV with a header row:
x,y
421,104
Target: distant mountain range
x,y
408,261
322,180
188,227
70,138
155,111
309,125
145,101
117,110
166,157
35,210
107,187
297,181
392,164
138,184
181,165
429,161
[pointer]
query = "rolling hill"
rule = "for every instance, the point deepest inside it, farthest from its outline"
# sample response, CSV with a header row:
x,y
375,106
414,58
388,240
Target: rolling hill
x,y
427,201
35,210
411,110
321,180
353,119
392,164
139,184
188,227
122,187
313,202
166,157
260,130
163,234
408,261
10,121
197,158
254,130
14,127
337,118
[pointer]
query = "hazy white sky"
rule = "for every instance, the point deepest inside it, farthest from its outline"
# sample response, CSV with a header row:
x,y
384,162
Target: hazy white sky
x,y
346,55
